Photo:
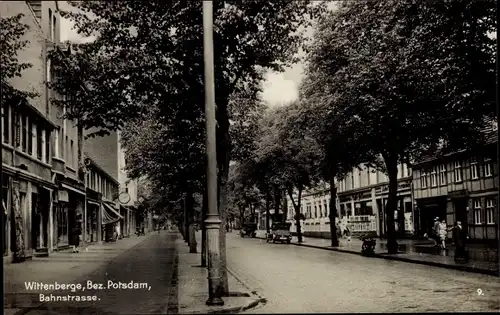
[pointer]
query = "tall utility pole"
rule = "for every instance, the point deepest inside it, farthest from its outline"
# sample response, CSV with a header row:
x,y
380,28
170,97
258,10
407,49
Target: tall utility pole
x,y
213,221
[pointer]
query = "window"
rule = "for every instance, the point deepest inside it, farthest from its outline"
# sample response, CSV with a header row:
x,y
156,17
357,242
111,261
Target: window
x,y
54,28
477,211
16,130
51,28
31,138
487,167
315,211
72,155
458,171
66,149
434,177
5,123
56,143
474,170
442,174
47,146
490,209
24,128
39,143
326,208
48,70
423,179
352,180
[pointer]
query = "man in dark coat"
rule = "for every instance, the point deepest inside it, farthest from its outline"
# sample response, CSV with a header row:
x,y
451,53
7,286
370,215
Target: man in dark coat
x,y
460,238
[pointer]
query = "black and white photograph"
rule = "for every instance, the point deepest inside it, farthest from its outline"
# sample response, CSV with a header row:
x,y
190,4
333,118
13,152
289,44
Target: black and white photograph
x,y
249,157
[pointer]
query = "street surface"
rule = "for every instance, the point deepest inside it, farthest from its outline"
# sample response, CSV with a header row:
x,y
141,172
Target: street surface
x,y
150,265
307,280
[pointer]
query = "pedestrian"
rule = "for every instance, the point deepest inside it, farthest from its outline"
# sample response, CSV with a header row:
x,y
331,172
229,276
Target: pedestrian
x,y
75,233
435,232
347,232
460,238
443,232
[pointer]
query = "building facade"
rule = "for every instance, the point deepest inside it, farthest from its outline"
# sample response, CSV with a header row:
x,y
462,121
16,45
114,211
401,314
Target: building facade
x,y
27,138
50,192
102,213
361,200
128,189
459,187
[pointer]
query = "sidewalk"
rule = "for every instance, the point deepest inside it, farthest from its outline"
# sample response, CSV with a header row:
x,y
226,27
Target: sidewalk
x,y
420,252
63,267
193,286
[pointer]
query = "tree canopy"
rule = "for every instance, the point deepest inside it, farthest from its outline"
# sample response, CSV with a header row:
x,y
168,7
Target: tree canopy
x,y
11,33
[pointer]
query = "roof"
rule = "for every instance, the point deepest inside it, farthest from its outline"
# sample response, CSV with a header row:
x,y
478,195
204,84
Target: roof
x,y
490,137
97,166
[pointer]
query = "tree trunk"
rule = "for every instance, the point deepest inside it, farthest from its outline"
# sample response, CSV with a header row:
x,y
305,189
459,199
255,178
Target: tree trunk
x,y
242,217
391,163
333,212
223,216
297,212
204,209
190,210
268,214
186,221
277,203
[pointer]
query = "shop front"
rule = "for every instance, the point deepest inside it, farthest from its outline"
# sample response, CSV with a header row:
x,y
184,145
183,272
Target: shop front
x,y
403,214
111,220
92,217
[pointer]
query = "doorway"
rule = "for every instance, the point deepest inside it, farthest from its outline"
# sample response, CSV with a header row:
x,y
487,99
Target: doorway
x,y
460,206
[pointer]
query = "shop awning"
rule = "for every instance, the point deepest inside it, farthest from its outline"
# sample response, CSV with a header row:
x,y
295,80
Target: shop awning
x,y
109,215
78,191
93,202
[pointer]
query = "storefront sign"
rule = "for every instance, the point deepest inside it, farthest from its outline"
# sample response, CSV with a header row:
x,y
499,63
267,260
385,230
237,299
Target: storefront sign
x,y
63,196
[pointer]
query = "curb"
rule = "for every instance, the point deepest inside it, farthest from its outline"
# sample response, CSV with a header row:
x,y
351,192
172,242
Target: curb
x,y
407,260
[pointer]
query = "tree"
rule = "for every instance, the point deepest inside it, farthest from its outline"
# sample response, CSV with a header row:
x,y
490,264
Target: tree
x,y
152,53
11,32
287,158
410,74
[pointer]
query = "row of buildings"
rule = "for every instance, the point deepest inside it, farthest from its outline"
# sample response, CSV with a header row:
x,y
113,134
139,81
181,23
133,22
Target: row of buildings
x,y
462,186
54,181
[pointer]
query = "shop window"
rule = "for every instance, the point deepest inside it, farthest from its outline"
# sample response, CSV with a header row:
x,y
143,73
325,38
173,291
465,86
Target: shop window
x,y
477,212
458,172
490,210
442,174
487,167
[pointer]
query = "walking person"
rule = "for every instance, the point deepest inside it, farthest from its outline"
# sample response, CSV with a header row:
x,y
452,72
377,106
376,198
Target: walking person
x,y
443,233
435,232
347,232
460,238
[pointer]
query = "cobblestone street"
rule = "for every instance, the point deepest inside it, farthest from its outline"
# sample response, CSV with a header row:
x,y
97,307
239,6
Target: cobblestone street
x,y
302,280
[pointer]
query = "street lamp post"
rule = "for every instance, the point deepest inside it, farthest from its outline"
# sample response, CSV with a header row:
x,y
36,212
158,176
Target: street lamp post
x,y
213,221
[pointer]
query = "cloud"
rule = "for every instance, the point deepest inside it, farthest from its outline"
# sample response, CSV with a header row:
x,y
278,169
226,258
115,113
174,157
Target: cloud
x,y
281,88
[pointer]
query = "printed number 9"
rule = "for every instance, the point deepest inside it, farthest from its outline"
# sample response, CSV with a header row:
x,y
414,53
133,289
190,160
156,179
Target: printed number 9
x,y
480,292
